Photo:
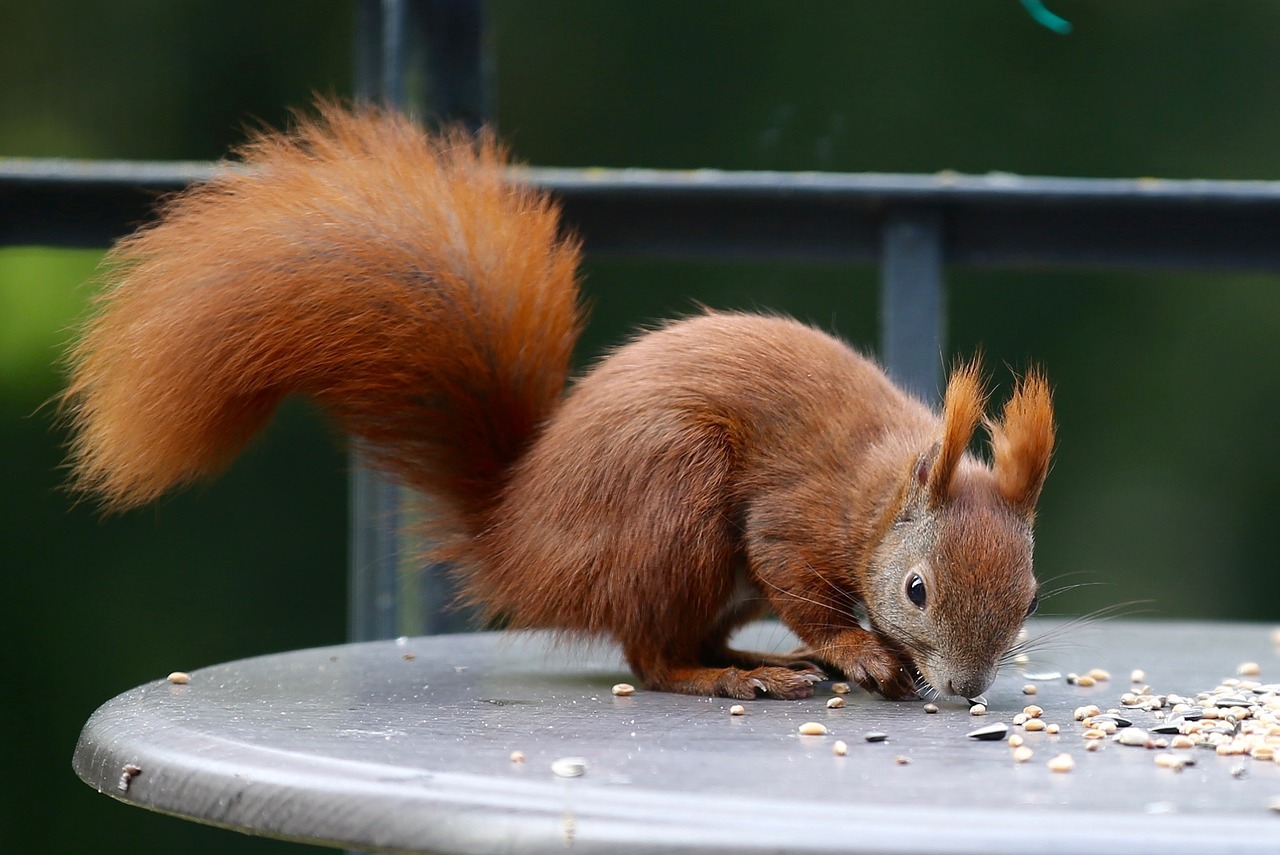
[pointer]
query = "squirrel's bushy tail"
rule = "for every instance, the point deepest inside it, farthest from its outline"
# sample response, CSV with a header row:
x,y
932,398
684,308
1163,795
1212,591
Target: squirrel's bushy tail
x,y
399,278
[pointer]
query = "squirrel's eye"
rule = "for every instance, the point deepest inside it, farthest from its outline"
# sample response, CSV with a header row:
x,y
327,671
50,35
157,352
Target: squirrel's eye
x,y
1035,604
915,590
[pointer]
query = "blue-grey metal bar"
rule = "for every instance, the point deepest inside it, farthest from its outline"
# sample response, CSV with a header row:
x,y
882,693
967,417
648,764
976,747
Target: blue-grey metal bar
x,y
414,55
912,300
373,501
992,221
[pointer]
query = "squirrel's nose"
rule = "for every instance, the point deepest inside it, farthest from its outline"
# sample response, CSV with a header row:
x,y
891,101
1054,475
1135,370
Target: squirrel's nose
x,y
968,685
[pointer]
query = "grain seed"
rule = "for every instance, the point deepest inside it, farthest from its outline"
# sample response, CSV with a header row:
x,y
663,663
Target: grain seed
x,y
517,756
1022,754
1032,711
127,774
1100,675
179,678
1133,736
1034,725
1051,728
1086,681
1176,762
840,748
931,708
569,767
1062,763
623,689
1249,669
835,703
978,709
1137,675
1015,740
1029,689
737,709
813,728
840,688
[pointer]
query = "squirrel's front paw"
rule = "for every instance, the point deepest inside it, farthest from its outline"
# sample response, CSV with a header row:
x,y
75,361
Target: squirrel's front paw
x,y
867,662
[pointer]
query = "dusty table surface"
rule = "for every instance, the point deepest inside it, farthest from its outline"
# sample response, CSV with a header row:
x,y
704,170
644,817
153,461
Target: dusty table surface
x,y
406,746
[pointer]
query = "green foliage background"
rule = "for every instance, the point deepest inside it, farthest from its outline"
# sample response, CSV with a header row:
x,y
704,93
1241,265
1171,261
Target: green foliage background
x,y
1168,388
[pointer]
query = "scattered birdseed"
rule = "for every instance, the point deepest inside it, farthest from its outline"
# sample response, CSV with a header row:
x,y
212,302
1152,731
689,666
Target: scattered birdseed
x,y
737,709
1137,675
1092,745
569,767
875,736
1101,675
1022,754
624,689
978,709
990,733
1033,711
517,756
179,678
931,708
1133,736
1085,681
1029,689
1072,677
840,688
1015,740
1062,763
1020,719
1175,762
1033,725
1249,669
1051,728
1084,712
813,728
409,657
1182,741
127,774
835,703
902,760
840,748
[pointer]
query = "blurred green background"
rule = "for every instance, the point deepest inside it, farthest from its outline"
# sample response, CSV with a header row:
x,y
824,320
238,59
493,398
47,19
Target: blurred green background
x,y
1168,385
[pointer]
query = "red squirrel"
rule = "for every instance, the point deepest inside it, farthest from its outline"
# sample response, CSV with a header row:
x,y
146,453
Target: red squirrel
x,y
703,472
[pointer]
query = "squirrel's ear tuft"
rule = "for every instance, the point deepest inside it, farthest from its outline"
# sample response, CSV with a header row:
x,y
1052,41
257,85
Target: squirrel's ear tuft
x,y
961,410
1022,442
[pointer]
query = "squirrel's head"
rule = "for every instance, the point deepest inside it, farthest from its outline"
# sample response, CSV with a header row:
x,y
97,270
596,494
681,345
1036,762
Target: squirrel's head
x,y
952,581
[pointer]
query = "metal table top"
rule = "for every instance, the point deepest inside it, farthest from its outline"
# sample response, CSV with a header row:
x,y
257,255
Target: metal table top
x,y
407,746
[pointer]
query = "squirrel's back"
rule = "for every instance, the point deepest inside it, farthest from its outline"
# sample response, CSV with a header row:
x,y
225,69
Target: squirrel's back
x,y
401,279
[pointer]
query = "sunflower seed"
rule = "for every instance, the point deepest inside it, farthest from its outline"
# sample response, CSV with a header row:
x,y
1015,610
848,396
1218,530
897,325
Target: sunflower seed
x,y
990,733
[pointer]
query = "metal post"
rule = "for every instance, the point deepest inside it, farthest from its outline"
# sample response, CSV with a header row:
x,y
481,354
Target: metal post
x,y
912,300
410,54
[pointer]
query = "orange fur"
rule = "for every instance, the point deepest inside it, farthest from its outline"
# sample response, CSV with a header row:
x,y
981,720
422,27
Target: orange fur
x,y
696,475
1022,441
961,410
